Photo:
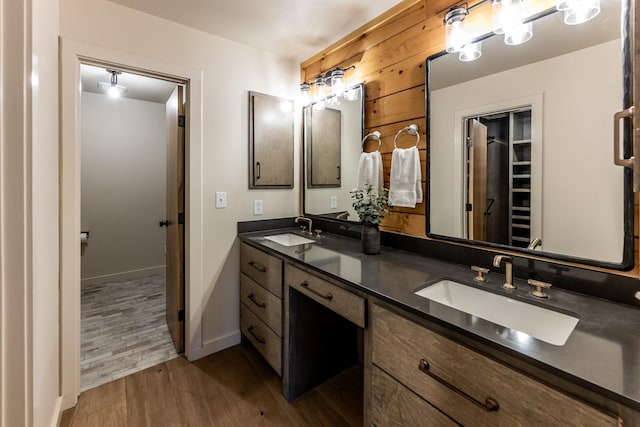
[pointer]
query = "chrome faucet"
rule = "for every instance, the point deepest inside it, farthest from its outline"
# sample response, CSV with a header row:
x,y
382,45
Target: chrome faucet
x,y
508,270
535,243
302,218
343,215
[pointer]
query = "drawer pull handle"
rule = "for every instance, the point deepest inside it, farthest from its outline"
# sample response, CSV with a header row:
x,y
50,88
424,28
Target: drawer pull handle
x,y
261,268
252,297
326,296
489,405
259,339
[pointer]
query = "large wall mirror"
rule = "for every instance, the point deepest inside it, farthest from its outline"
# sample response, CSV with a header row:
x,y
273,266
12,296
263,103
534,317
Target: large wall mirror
x,y
520,142
333,130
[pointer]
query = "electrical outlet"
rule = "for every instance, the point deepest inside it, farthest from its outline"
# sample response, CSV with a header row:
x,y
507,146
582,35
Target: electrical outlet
x,y
257,207
221,199
334,202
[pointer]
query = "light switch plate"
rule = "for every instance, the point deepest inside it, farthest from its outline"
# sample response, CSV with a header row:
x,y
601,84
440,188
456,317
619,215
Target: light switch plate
x,y
221,199
334,202
257,207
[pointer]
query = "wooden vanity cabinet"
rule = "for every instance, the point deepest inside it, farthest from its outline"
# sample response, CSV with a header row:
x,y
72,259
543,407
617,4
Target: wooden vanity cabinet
x,y
434,376
261,303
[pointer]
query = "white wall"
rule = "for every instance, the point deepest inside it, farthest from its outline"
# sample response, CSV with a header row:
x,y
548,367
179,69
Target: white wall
x,y
123,185
222,73
580,204
29,364
45,197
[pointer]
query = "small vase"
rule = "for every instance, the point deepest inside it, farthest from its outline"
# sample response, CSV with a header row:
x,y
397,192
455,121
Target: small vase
x,y
370,239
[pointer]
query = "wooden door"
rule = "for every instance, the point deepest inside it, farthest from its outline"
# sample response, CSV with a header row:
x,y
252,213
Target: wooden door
x,y
477,195
175,217
325,148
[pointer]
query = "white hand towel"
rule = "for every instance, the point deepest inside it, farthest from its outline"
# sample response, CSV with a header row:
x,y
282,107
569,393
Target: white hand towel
x,y
370,169
406,179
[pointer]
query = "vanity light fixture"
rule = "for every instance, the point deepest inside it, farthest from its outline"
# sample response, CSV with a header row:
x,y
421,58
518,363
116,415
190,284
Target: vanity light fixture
x,y
505,14
327,89
305,94
113,88
455,38
337,82
578,11
319,92
518,34
470,52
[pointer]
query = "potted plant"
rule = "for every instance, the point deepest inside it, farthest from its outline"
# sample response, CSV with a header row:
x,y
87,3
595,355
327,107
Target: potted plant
x,y
370,206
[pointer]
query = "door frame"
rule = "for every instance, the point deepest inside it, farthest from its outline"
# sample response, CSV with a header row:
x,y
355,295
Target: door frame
x,y
74,53
459,197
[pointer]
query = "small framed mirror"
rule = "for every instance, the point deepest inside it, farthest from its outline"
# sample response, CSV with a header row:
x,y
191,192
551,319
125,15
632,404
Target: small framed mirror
x,y
333,130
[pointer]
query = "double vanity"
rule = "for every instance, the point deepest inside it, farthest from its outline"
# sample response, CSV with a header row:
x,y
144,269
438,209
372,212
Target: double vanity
x,y
437,346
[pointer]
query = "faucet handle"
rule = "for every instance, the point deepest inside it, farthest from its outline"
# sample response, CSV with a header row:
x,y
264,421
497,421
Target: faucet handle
x,y
480,276
538,293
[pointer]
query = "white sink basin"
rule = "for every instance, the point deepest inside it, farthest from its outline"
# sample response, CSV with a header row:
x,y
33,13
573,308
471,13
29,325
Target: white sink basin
x,y
289,239
546,325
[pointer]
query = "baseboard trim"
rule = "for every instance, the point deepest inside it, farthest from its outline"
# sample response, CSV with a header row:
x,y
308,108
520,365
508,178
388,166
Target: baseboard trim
x,y
215,345
57,413
124,275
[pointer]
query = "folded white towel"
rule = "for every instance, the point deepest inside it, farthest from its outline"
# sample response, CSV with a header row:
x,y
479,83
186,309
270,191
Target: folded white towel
x,y
405,188
370,169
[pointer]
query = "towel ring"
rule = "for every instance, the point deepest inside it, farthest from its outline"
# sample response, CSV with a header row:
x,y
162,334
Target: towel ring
x,y
374,135
412,129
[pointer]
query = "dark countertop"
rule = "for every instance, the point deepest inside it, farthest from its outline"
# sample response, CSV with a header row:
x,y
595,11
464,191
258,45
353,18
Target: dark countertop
x,y
602,354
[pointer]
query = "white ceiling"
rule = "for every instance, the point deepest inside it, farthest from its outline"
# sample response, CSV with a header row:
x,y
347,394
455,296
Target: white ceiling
x,y
292,28
138,87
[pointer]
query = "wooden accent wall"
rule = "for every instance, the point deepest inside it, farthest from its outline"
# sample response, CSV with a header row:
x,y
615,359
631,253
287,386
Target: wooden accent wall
x,y
389,54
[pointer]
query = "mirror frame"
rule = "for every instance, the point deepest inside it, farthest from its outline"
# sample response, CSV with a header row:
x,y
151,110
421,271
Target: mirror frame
x,y
628,251
305,155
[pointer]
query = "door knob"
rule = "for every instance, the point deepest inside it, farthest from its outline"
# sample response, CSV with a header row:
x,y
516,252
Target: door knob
x,y
164,223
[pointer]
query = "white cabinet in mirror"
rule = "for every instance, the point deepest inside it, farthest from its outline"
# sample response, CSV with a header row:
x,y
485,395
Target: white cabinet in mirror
x,y
520,143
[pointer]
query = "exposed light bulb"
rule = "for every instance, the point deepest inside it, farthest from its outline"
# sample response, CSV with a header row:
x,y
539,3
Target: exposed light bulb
x,y
305,96
318,92
470,52
455,37
518,34
114,92
580,11
337,82
505,14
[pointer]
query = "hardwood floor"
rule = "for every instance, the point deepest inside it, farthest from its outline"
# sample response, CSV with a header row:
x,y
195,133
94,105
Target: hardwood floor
x,y
234,387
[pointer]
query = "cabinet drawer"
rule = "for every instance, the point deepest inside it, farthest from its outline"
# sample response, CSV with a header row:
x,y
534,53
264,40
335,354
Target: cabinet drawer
x,y
458,381
395,405
263,303
338,300
262,338
262,267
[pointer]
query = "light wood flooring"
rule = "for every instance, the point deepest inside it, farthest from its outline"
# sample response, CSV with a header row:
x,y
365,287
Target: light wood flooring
x,y
234,387
123,329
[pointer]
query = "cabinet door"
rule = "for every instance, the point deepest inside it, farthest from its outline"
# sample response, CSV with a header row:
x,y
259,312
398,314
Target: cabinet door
x,y
324,148
270,141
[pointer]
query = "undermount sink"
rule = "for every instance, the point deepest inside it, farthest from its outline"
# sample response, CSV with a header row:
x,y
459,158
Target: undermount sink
x,y
541,323
289,239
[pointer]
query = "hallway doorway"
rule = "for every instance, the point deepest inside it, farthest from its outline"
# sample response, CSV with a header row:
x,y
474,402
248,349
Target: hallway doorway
x,y
131,234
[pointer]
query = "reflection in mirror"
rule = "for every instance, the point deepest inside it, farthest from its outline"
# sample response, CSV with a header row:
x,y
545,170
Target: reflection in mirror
x,y
333,131
521,143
